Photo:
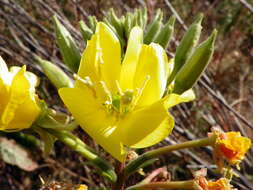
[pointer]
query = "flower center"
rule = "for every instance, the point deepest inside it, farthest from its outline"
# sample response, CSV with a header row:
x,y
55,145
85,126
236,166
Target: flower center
x,y
117,103
121,103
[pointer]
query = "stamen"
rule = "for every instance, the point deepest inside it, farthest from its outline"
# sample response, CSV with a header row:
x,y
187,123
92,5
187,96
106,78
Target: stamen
x,y
87,82
140,90
118,88
106,92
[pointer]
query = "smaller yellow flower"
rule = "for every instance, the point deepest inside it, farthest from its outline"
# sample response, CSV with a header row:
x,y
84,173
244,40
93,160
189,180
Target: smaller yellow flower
x,y
81,187
18,101
232,146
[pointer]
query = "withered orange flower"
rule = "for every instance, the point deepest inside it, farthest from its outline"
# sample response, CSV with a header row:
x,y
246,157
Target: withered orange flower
x,y
232,146
221,184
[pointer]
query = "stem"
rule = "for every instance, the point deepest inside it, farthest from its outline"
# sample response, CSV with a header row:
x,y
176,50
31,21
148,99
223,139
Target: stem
x,y
79,146
166,185
120,183
135,164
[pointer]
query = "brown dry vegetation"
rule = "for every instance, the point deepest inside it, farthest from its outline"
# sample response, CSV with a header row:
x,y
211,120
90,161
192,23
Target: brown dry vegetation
x,y
225,93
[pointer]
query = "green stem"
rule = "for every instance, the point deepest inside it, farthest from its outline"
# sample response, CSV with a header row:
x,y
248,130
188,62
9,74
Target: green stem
x,y
79,146
165,185
135,164
120,183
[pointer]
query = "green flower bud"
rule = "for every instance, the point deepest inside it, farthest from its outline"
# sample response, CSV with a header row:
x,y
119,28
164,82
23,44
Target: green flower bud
x,y
144,16
92,22
68,48
128,23
154,28
192,70
58,78
85,31
186,46
164,37
116,22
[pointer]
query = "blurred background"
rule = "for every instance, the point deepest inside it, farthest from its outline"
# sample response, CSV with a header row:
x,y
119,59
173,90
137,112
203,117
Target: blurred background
x,y
224,93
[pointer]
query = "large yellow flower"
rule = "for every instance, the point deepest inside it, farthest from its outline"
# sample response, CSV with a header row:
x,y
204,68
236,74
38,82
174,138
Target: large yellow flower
x,y
18,107
121,104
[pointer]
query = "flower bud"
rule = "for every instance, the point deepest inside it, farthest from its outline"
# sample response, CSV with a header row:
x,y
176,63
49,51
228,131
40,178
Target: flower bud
x,y
85,31
196,64
164,37
154,28
68,48
55,74
186,46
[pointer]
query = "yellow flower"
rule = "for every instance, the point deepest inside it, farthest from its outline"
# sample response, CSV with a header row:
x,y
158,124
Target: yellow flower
x,y
82,187
232,146
18,107
121,104
221,184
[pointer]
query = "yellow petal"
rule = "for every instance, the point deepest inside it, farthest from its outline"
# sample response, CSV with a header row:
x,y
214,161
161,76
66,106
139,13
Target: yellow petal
x,y
32,78
110,57
25,114
147,126
21,109
131,58
151,63
174,99
89,65
3,70
82,187
93,119
4,96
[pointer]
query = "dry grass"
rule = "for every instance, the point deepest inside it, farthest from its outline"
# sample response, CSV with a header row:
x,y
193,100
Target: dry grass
x,y
224,94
